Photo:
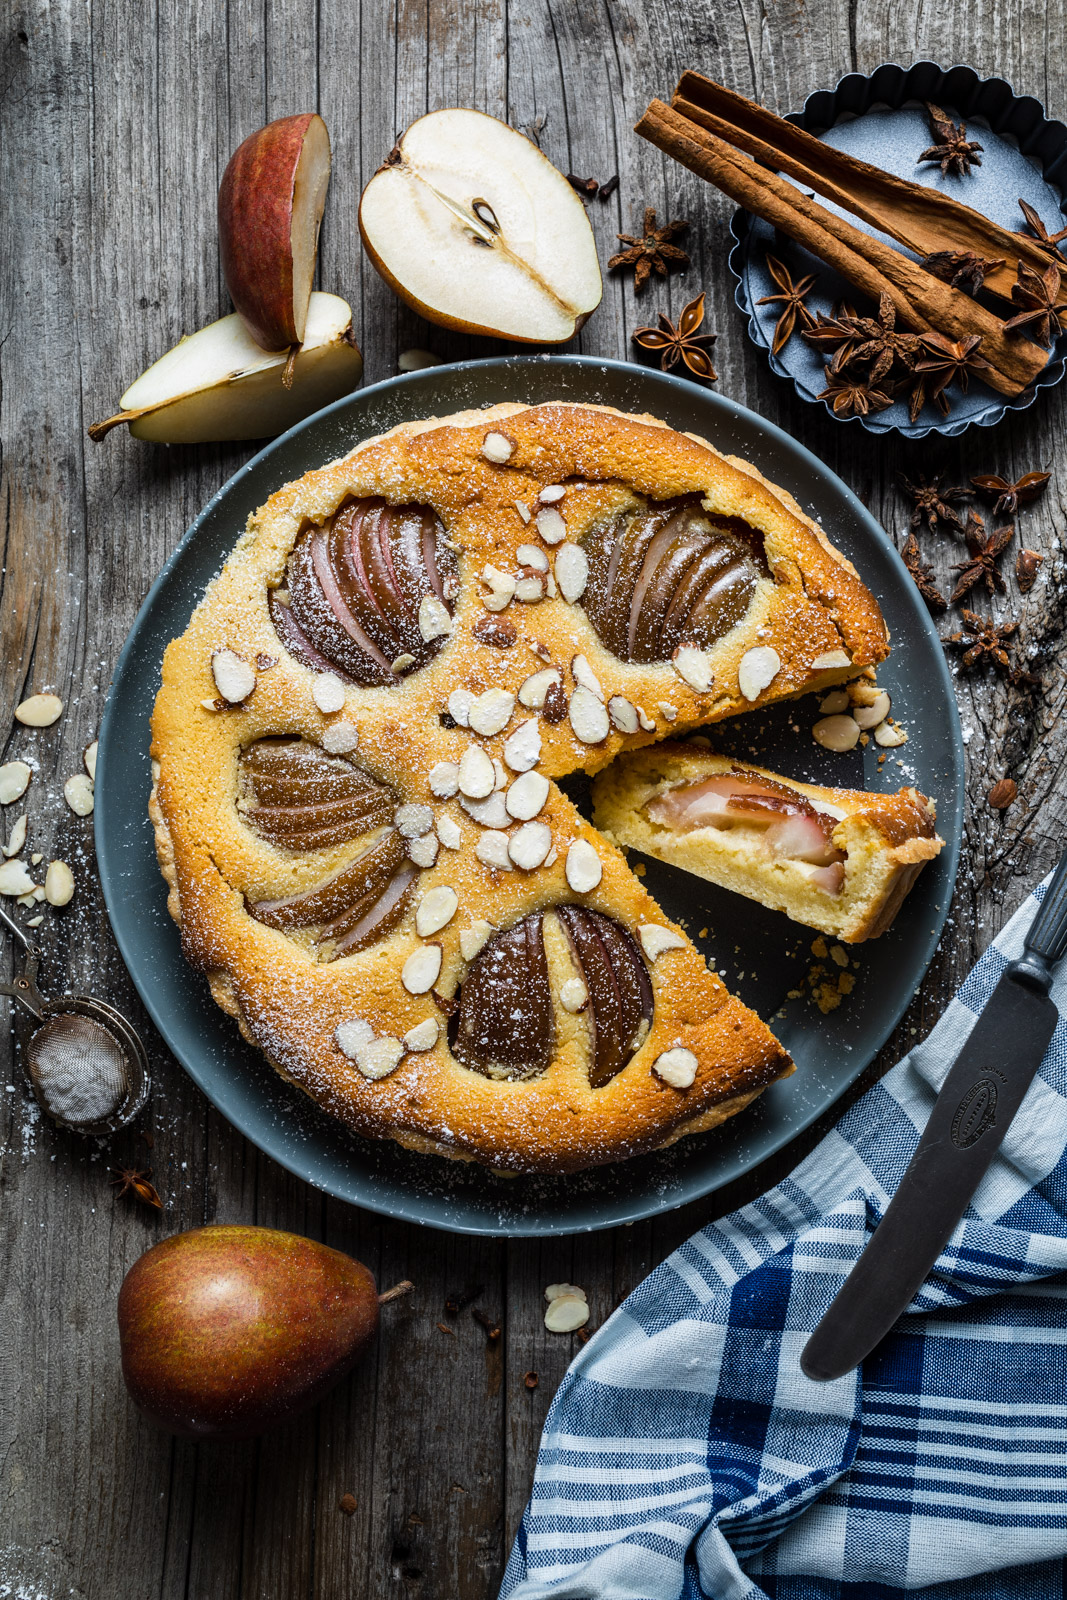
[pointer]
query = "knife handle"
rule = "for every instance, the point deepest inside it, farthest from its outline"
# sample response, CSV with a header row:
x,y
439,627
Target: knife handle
x,y
1046,943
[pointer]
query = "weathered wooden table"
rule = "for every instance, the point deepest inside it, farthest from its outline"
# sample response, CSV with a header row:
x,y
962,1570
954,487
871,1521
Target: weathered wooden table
x,y
118,121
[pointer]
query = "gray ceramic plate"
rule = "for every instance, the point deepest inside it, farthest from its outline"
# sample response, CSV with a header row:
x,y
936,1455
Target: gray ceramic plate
x,y
761,954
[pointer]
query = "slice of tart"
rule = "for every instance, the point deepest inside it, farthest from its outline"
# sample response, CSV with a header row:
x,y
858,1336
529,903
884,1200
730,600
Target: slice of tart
x,y
840,860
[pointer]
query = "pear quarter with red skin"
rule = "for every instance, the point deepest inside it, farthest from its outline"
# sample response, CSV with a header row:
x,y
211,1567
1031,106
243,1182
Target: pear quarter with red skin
x,y
271,201
227,1330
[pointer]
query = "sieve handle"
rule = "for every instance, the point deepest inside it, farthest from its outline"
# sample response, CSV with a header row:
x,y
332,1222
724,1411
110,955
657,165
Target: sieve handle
x,y
12,926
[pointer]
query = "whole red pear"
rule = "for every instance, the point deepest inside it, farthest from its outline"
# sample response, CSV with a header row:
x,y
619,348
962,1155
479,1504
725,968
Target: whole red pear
x,y
226,1331
271,201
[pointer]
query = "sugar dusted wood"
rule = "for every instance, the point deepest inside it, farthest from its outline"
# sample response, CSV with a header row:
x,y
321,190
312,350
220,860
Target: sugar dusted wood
x,y
114,138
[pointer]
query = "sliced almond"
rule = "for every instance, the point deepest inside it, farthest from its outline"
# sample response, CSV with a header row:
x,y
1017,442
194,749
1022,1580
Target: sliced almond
x,y
328,692
647,723
474,939
584,675
422,969
623,715
34,922
870,716
41,710
449,833
588,716
235,678
492,849
491,711
551,493
436,910
531,555
693,666
17,837
492,812
667,711
584,868
522,750
340,738
497,447
14,879
89,758
678,1067
529,845
444,779
838,733
14,781
423,851
889,736
423,1036
835,702
532,690
550,525
655,939
78,793
527,795
58,884
759,667
566,1313
554,1291
523,509
413,821
476,775
434,620
571,570
459,706
501,586
379,1058
862,692
530,588
352,1036
573,995
830,659
501,775
402,662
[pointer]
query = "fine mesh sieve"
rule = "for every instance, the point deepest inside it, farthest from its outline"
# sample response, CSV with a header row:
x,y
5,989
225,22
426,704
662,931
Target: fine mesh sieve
x,y
87,1065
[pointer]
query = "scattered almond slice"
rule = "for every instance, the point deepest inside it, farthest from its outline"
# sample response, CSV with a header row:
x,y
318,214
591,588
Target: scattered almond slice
x,y
14,879
89,758
623,715
531,555
58,884
498,448
501,586
435,910
831,659
423,1036
328,692
835,702
532,690
550,525
491,712
449,833
889,736
588,716
473,939
571,571
379,1058
422,969
477,777
459,706
527,796
522,750
870,716
413,821
434,620
17,837
693,666
14,781
491,849
566,1314
573,997
586,678
340,738
838,733
555,1290
529,845
444,779
759,667
678,1067
423,851
492,812
78,793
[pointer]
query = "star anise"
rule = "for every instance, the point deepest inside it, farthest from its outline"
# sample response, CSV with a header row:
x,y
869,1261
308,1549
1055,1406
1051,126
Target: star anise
x,y
853,396
1008,497
1038,294
653,251
950,360
983,641
921,391
838,333
932,504
881,344
1048,241
1027,563
128,1180
963,269
983,552
682,343
922,575
792,299
952,148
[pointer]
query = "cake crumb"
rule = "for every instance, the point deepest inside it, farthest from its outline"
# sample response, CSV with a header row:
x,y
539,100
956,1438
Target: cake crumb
x,y
839,954
818,948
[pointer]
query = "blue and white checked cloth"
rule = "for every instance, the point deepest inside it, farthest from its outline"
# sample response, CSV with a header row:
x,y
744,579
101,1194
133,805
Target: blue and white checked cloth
x,y
686,1455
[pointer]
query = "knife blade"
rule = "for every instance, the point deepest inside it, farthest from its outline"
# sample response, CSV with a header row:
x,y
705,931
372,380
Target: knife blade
x,y
973,1111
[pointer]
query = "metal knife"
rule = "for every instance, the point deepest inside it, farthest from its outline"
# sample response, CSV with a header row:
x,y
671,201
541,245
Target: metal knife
x,y
984,1089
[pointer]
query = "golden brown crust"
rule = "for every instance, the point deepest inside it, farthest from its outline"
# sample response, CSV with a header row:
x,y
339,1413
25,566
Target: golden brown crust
x,y
887,838
290,1005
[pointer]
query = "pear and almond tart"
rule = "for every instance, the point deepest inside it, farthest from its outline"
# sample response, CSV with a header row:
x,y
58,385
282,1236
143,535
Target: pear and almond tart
x,y
840,860
357,744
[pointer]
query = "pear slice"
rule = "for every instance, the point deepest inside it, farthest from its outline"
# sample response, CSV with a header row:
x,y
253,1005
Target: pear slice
x,y
218,384
475,229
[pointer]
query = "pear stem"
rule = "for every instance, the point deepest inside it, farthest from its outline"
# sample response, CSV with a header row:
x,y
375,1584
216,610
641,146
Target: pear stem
x,y
98,430
395,1292
287,375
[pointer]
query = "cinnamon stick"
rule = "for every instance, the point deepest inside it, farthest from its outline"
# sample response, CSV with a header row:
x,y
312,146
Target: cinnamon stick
x,y
923,220
922,302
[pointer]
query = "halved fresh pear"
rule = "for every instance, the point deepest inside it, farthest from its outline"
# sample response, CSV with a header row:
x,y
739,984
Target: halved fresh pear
x,y
477,230
218,384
